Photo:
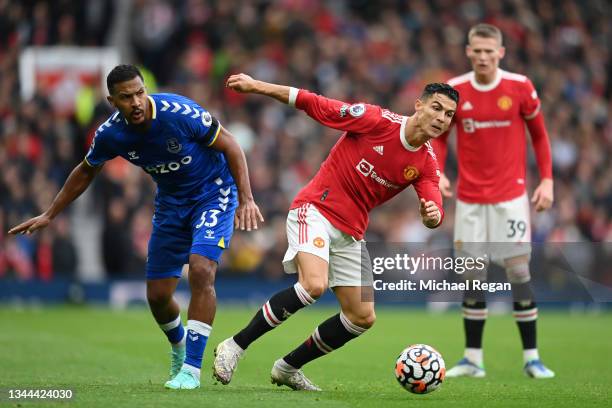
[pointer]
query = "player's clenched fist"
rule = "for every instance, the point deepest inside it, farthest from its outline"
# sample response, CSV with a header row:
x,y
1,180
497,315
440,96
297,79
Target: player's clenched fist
x,y
430,213
241,83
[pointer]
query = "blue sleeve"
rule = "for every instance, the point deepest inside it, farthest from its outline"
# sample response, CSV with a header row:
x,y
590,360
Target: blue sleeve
x,y
100,150
204,128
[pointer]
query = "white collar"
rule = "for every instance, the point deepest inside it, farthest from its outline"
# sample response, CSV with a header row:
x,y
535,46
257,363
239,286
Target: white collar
x,y
489,86
405,143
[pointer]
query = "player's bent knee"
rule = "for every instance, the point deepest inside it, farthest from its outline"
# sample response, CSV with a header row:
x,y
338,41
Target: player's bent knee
x,y
160,292
367,321
364,319
518,273
202,272
315,289
158,297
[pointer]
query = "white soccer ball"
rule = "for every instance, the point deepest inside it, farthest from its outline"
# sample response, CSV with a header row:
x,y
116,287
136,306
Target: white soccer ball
x,y
420,369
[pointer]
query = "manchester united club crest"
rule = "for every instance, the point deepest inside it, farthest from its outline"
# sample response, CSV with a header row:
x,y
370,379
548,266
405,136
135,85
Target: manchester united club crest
x,y
410,173
319,242
173,145
504,103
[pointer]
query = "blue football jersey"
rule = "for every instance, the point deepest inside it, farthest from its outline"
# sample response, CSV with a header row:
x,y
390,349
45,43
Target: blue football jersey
x,y
175,150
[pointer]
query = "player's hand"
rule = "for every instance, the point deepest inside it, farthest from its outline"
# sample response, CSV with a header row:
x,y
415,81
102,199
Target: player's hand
x,y
241,83
430,213
247,215
445,186
543,195
31,225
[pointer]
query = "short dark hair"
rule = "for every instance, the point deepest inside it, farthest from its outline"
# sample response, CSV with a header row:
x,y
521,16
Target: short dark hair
x,y
444,89
121,73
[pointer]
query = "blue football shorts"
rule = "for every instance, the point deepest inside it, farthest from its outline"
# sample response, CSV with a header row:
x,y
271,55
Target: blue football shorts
x,y
204,228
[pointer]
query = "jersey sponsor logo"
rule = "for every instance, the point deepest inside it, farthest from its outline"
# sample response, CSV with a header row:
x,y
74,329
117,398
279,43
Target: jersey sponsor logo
x,y
367,169
467,106
133,155
173,145
357,110
318,242
504,103
379,149
471,125
165,168
410,173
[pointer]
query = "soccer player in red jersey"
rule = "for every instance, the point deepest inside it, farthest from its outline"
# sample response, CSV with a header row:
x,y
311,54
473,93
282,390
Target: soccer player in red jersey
x,y
379,154
492,204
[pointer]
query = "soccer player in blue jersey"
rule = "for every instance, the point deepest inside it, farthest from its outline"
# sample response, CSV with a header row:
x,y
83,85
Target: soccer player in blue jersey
x,y
203,194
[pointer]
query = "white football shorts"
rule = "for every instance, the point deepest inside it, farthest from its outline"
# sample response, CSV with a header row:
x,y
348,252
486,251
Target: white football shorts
x,y
500,230
309,231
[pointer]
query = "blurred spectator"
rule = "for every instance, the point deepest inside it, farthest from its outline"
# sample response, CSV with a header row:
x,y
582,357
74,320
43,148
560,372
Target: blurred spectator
x,y
381,52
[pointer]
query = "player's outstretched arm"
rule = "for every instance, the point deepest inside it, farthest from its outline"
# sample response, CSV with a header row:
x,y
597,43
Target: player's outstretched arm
x,y
247,213
78,181
245,84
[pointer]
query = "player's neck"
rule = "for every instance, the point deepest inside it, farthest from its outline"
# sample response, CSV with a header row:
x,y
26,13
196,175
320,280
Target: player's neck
x,y
413,134
485,79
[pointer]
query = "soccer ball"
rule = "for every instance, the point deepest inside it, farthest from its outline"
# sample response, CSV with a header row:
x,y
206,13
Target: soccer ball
x,y
420,369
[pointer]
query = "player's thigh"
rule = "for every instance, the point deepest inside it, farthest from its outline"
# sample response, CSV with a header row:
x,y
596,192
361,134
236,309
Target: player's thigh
x,y
308,248
510,229
169,245
312,273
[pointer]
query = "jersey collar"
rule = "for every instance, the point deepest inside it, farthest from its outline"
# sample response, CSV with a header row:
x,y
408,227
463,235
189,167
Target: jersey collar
x,y
486,87
405,143
153,107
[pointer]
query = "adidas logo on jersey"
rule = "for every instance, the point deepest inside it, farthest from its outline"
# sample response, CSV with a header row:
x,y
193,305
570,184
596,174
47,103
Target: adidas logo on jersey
x,y
467,106
379,149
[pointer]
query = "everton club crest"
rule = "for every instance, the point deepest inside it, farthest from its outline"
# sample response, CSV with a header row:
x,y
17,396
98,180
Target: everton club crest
x,y
173,145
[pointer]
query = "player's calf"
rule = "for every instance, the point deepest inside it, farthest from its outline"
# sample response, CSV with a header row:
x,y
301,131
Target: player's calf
x,y
330,335
274,312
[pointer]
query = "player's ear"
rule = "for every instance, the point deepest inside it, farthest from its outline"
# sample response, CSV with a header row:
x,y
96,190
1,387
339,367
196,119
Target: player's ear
x,y
468,51
109,98
418,105
502,52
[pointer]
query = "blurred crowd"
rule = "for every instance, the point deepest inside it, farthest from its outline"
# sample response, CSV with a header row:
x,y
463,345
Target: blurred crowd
x,y
382,52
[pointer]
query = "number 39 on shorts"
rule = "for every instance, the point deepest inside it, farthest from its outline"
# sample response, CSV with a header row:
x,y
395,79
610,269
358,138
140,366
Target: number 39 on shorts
x,y
516,227
208,219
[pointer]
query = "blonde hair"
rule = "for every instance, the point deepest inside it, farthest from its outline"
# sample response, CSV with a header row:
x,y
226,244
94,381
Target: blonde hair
x,y
485,31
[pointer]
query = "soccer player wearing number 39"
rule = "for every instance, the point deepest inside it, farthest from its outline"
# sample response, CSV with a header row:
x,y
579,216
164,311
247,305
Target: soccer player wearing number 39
x,y
379,155
203,193
492,204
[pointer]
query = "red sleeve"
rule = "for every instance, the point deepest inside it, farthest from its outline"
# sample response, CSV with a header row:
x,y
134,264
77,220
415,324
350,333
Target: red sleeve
x,y
541,145
530,103
426,185
356,118
440,146
530,109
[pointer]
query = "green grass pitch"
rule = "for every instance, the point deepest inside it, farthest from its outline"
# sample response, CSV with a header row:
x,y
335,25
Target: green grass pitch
x,y
119,358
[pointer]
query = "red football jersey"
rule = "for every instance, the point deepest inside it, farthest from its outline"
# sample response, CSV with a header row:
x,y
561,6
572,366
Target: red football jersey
x,y
491,139
370,163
